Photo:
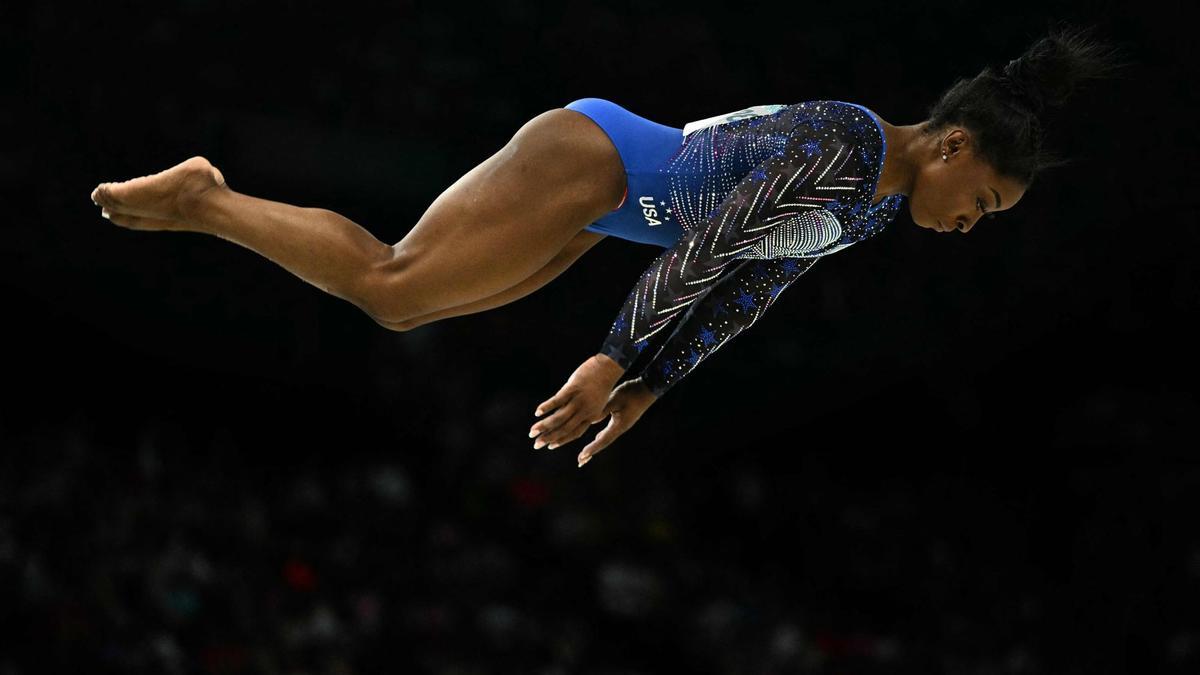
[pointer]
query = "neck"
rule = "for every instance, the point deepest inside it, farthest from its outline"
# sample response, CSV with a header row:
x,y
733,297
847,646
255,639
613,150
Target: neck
x,y
904,151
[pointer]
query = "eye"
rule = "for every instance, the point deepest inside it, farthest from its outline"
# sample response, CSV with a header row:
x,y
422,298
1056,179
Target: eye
x,y
979,203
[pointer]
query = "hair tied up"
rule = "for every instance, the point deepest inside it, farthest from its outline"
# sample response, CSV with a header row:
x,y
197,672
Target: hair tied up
x,y
1048,72
1022,86
1004,107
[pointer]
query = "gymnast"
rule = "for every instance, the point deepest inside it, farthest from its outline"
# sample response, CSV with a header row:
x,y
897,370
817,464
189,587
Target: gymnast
x,y
742,205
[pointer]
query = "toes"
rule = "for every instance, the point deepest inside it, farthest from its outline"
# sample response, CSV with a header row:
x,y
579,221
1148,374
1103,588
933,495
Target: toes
x,y
119,218
106,196
137,222
98,195
101,195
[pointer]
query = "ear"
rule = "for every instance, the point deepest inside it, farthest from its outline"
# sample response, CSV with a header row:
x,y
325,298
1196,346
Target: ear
x,y
956,141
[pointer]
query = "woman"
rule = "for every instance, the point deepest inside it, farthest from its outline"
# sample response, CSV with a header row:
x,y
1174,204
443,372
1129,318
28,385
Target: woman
x,y
743,204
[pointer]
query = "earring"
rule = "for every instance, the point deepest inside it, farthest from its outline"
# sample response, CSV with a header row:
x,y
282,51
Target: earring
x,y
943,156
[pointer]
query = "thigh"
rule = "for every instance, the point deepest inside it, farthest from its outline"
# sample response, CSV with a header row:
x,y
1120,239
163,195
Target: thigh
x,y
509,216
559,264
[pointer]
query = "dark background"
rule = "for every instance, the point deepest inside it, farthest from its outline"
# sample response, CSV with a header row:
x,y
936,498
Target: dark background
x,y
938,453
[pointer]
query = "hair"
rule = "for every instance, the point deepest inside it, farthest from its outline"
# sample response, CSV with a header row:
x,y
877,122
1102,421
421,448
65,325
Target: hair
x,y
1005,108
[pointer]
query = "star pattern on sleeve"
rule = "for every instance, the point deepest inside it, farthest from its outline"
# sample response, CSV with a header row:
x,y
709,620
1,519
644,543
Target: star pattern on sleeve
x,y
687,347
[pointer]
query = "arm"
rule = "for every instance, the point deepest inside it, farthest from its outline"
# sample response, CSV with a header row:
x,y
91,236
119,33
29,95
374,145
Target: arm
x,y
787,191
734,304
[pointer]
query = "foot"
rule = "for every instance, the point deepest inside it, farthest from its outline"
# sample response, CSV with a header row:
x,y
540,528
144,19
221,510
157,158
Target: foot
x,y
157,202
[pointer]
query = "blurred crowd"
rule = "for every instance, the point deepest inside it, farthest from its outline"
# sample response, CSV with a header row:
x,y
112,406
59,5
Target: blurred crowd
x,y
190,553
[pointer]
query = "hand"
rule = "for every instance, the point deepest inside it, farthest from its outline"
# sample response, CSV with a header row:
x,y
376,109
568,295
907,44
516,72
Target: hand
x,y
578,404
626,405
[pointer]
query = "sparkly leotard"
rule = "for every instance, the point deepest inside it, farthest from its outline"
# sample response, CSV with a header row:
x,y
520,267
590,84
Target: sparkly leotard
x,y
760,195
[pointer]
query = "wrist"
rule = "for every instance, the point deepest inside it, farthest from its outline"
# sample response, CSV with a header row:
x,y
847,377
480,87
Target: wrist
x,y
647,389
610,367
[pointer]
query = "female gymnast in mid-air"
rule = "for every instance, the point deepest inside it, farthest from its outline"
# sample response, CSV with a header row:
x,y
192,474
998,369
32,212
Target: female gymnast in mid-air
x,y
743,204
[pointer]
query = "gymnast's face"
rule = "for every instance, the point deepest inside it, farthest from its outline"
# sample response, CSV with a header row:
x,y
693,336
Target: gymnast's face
x,y
960,189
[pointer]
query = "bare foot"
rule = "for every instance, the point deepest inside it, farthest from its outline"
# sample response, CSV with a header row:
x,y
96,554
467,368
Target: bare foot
x,y
157,202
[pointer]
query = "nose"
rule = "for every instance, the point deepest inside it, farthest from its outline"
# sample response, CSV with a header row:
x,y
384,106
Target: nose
x,y
965,223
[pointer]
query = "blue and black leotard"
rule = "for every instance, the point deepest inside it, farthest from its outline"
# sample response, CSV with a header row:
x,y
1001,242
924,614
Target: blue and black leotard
x,y
743,204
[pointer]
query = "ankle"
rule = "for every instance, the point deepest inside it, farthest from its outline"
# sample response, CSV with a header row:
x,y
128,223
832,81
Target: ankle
x,y
200,209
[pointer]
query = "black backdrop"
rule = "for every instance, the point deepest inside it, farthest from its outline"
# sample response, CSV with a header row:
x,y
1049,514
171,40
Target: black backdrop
x,y
938,453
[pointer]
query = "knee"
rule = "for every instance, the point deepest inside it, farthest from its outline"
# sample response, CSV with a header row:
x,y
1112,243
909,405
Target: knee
x,y
389,314
398,326
385,295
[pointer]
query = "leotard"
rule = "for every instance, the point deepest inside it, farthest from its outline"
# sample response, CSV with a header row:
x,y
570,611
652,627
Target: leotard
x,y
743,204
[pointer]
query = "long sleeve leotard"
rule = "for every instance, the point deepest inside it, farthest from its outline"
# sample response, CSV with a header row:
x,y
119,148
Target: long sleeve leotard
x,y
803,178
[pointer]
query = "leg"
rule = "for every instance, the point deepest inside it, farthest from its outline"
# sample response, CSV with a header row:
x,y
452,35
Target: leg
x,y
505,220
321,247
576,248
495,227
318,245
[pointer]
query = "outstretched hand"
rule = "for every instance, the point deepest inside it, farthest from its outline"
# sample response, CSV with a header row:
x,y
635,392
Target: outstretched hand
x,y
626,406
587,398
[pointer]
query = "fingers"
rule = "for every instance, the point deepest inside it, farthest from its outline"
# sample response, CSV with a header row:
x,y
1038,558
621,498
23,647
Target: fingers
x,y
561,426
575,433
555,420
606,436
566,432
543,430
550,404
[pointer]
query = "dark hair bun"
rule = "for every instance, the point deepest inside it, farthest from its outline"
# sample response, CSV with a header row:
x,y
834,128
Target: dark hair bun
x,y
1004,107
1046,74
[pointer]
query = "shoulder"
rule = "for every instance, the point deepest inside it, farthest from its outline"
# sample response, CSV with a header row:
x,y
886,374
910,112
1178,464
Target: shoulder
x,y
848,122
853,131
